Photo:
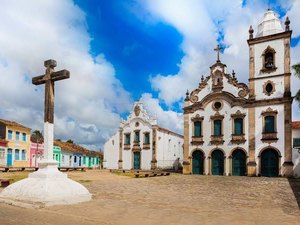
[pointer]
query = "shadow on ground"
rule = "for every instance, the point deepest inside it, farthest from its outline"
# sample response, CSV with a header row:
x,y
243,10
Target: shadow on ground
x,y
295,186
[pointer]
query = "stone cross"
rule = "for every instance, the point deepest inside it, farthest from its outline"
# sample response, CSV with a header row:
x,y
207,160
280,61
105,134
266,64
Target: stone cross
x,y
48,79
218,52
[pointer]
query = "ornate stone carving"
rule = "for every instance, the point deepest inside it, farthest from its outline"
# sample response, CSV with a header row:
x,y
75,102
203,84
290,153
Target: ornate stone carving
x,y
197,140
137,110
269,88
202,84
233,80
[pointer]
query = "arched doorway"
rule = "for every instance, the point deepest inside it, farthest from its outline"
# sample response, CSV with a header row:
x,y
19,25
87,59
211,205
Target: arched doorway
x,y
198,162
217,167
269,163
136,160
238,163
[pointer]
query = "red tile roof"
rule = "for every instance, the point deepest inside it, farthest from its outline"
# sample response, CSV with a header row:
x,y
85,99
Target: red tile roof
x,y
71,147
296,124
12,123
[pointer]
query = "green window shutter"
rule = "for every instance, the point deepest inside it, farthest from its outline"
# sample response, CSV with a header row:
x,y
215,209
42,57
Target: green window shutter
x,y
146,138
217,127
127,139
238,126
137,137
84,160
269,124
296,142
197,129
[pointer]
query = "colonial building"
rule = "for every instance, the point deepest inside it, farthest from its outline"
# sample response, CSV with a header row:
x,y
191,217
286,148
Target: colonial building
x,y
296,147
231,128
141,144
17,137
73,155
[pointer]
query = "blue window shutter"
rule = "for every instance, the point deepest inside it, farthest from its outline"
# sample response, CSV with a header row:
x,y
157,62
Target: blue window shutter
x,y
23,155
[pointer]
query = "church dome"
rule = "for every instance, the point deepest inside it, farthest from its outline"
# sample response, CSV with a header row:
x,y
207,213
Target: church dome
x,y
269,25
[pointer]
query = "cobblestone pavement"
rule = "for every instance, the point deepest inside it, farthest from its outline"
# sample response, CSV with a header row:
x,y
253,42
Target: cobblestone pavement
x,y
175,199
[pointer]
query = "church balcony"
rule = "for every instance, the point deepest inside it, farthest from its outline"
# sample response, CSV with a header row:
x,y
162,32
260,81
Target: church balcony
x,y
126,146
216,139
269,137
146,146
197,140
238,138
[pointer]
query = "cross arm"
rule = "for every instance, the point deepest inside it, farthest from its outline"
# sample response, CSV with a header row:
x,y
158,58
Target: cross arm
x,y
38,80
60,75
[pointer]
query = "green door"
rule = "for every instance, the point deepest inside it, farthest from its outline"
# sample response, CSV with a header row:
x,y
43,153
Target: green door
x,y
238,163
90,162
197,162
217,166
136,160
269,163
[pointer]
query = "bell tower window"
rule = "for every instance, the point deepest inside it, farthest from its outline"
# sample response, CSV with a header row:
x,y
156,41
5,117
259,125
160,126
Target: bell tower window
x,y
268,58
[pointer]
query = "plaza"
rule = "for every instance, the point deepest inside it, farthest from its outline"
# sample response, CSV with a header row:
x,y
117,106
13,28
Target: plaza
x,y
174,199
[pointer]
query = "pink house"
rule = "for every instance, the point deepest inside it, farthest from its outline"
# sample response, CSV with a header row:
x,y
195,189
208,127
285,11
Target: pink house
x,y
36,153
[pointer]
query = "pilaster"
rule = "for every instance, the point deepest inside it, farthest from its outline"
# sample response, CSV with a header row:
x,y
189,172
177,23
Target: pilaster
x,y
186,161
120,162
251,165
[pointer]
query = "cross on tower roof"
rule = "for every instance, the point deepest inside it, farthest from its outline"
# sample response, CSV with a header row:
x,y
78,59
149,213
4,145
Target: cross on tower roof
x,y
217,49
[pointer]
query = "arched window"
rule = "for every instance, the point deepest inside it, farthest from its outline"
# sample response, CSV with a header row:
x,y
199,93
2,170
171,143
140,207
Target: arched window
x,y
238,126
197,129
217,127
268,59
269,124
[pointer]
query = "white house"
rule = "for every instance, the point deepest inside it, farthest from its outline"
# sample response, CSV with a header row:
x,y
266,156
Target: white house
x,y
141,144
231,128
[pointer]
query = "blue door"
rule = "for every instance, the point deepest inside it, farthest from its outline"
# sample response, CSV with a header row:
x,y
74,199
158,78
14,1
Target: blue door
x,y
9,157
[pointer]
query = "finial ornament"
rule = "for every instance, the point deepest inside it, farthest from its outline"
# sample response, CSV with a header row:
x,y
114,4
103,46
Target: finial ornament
x,y
217,49
251,32
233,74
187,98
202,78
287,24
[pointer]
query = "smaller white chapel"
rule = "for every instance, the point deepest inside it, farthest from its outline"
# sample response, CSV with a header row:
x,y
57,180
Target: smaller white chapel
x,y
141,144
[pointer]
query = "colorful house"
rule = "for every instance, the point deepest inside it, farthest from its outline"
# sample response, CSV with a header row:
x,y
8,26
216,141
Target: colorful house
x,y
18,143
36,153
3,152
57,154
73,155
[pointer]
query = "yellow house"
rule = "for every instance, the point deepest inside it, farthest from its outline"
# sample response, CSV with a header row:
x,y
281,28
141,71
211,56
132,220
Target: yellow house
x,y
18,143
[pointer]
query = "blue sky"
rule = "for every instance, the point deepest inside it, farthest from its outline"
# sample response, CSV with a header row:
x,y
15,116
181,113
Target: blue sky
x,y
139,50
122,51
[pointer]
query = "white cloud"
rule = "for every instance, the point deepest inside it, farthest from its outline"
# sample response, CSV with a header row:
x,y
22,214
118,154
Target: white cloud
x,y
87,105
165,118
199,23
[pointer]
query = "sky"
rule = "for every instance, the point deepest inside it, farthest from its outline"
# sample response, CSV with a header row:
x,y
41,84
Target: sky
x,y
119,52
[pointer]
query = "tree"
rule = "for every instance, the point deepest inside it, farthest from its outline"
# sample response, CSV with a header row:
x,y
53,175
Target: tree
x,y
296,68
70,141
37,137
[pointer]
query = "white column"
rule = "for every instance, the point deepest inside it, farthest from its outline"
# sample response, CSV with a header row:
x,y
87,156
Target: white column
x,y
48,142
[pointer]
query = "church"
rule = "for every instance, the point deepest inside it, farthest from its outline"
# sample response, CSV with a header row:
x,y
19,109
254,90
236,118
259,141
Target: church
x,y
231,128
141,144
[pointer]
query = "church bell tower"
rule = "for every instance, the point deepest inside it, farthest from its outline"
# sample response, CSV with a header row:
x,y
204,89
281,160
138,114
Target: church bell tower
x,y
269,86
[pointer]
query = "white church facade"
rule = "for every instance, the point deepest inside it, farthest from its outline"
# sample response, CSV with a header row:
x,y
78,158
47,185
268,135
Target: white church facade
x,y
141,144
231,128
